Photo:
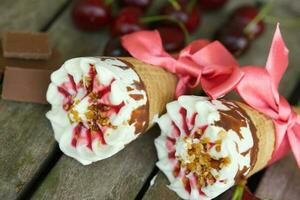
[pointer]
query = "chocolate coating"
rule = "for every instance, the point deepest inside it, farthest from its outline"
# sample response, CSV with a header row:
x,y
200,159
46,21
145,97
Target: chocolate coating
x,y
139,116
234,119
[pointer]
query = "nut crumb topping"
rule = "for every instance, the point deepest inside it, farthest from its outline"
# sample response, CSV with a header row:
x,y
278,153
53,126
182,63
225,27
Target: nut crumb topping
x,y
96,115
200,162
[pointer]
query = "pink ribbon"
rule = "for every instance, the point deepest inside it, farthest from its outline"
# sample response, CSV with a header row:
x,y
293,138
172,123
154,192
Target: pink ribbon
x,y
200,62
259,89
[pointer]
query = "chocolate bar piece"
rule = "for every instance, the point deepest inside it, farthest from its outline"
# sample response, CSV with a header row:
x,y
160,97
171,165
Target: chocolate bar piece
x,y
27,80
26,45
23,84
53,63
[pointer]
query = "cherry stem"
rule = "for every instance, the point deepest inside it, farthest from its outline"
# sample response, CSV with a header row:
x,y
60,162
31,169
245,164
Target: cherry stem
x,y
238,192
291,22
261,15
175,4
191,5
108,2
157,18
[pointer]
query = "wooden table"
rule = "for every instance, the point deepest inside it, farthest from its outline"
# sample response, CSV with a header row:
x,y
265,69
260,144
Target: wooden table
x,y
31,165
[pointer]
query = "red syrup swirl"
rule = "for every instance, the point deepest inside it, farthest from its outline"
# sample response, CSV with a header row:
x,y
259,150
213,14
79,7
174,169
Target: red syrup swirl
x,y
89,139
69,90
201,193
171,155
182,112
170,144
76,134
66,91
187,184
176,169
72,82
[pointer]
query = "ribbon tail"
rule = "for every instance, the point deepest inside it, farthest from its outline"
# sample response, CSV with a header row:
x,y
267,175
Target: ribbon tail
x,y
294,140
181,86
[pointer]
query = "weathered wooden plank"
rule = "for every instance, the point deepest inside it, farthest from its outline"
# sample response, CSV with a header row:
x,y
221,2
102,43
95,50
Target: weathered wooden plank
x,y
281,181
159,189
25,134
119,177
27,15
25,139
73,42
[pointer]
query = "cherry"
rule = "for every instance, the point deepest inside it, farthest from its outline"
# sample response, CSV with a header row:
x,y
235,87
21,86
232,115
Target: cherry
x,y
242,16
211,4
190,18
114,48
137,3
247,195
90,15
233,39
172,38
127,21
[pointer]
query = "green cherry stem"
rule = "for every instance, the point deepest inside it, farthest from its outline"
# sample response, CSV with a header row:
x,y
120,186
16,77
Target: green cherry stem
x,y
261,15
191,5
108,2
238,193
175,4
158,18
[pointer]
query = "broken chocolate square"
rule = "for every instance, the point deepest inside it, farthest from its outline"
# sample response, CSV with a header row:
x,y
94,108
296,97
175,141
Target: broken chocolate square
x,y
26,45
28,80
25,84
54,61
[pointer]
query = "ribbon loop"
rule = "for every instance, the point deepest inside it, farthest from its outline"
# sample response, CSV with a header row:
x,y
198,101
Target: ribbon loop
x,y
200,62
259,89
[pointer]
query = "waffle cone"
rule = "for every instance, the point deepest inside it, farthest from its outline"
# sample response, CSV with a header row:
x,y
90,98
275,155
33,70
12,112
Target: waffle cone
x,y
160,86
265,132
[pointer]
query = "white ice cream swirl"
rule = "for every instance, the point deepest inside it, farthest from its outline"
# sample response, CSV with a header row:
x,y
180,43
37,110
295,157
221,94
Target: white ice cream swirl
x,y
93,100
200,158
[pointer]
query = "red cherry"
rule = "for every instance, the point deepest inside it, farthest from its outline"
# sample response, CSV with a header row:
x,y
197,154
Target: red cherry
x,y
172,38
242,16
233,39
114,48
127,21
90,15
191,19
211,4
247,195
138,3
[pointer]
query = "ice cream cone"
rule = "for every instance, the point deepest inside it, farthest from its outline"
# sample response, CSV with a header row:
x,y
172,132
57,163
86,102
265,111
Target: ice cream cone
x,y
160,85
206,146
100,104
265,132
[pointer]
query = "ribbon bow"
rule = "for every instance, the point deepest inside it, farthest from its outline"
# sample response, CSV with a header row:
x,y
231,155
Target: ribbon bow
x,y
259,89
200,62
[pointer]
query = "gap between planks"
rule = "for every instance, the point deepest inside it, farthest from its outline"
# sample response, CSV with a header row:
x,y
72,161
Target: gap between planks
x,y
41,172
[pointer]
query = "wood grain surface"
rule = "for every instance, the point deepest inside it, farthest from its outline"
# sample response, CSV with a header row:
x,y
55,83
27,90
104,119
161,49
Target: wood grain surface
x,y
25,135
26,138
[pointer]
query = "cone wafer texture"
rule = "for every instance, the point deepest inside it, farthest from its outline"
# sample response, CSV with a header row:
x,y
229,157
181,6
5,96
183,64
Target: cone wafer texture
x,y
159,84
265,132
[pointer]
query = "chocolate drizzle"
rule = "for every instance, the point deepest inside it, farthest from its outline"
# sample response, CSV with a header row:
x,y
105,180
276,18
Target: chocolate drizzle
x,y
137,97
234,119
122,67
140,116
138,85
